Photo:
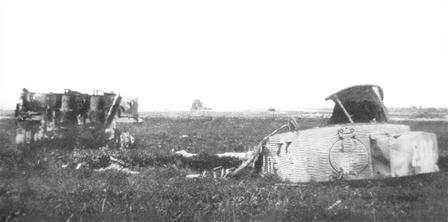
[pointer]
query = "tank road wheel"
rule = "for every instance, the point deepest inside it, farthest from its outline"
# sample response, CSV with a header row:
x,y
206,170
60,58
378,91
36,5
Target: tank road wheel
x,y
20,136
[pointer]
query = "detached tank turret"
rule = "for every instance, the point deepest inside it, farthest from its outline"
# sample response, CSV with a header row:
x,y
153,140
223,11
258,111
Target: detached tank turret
x,y
74,118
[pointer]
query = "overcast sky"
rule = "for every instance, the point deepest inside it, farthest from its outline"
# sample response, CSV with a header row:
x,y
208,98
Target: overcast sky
x,y
233,55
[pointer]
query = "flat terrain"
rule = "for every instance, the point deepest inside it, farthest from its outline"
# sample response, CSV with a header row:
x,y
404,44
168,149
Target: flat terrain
x,y
35,187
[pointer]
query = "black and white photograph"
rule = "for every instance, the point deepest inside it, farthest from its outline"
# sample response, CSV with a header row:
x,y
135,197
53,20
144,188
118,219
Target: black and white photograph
x,y
237,110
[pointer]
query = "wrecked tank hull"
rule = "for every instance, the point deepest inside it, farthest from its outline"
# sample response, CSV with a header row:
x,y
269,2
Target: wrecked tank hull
x,y
73,118
357,143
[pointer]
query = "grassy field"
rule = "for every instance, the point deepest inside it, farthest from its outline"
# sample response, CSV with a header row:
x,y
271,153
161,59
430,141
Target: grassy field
x,y
34,186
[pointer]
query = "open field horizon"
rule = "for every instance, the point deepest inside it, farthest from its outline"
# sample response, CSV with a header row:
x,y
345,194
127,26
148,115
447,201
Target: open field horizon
x,y
394,112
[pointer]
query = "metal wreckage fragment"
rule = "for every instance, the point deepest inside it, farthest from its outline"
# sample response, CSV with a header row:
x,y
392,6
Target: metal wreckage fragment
x,y
75,119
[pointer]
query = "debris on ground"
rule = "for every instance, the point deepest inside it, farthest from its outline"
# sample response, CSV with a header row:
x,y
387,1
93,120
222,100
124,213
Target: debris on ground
x,y
334,204
195,175
217,172
185,153
237,155
115,166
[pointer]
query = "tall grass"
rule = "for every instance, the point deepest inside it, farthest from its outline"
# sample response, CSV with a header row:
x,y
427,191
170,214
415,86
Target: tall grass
x,y
34,187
